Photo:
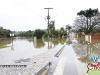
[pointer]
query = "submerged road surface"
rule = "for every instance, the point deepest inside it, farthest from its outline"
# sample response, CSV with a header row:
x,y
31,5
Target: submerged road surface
x,y
76,60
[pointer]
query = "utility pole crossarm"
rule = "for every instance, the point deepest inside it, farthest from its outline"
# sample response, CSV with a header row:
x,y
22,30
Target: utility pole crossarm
x,y
48,8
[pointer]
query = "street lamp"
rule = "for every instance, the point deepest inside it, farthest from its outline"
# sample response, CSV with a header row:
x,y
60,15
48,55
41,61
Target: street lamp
x,y
12,35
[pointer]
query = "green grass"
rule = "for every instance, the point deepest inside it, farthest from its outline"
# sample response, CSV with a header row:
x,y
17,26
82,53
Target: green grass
x,y
94,71
3,47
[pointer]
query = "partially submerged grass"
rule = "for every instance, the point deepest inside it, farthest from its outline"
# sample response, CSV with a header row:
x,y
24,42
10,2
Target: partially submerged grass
x,y
3,47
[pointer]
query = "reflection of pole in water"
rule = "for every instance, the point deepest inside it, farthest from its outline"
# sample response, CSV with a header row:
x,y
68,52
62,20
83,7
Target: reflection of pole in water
x,y
49,44
35,42
12,35
12,48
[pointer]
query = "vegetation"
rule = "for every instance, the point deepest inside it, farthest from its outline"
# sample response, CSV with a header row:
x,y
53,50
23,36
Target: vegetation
x,y
4,33
3,46
95,31
68,29
26,34
53,33
88,21
39,33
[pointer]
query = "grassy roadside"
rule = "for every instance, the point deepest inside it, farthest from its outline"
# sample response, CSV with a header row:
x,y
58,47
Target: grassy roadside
x,y
3,47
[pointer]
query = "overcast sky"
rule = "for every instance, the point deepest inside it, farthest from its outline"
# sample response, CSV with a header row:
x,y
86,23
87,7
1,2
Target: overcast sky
x,y
23,15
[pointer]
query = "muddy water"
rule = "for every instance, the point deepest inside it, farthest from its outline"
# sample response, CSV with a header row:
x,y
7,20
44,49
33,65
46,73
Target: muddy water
x,y
23,48
83,49
77,53
84,52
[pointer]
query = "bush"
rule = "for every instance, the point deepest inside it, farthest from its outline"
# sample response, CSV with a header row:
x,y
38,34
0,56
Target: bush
x,y
96,31
45,35
39,33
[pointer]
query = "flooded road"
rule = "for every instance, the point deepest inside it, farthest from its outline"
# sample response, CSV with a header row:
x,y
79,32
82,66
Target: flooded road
x,y
23,48
77,53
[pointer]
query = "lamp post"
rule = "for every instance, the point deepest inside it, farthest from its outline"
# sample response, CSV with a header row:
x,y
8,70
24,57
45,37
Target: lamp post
x,y
12,35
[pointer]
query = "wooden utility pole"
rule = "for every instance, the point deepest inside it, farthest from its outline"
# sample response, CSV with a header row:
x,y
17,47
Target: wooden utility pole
x,y
48,17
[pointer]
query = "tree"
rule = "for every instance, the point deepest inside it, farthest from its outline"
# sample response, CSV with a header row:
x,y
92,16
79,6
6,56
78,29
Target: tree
x,y
4,33
61,32
39,33
28,33
68,29
55,33
89,13
52,27
80,24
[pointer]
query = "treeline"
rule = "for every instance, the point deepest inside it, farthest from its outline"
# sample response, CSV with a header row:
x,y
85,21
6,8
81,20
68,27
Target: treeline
x,y
4,33
26,34
39,33
53,33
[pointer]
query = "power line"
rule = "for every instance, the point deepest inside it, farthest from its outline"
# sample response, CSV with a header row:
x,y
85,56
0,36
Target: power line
x,y
27,7
18,13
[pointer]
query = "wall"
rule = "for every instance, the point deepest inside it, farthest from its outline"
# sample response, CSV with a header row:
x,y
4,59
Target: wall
x,y
96,36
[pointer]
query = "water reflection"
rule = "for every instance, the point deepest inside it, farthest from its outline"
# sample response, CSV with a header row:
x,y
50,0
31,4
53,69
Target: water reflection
x,y
51,42
68,41
4,42
84,49
38,43
62,41
12,48
7,42
54,42
26,47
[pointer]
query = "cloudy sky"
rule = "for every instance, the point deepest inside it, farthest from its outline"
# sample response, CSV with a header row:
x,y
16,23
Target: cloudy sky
x,y
23,15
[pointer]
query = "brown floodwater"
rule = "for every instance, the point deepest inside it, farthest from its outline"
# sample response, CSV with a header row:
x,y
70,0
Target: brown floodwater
x,y
77,52
20,48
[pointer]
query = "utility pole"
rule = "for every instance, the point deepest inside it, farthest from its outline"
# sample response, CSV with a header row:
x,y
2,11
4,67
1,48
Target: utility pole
x,y
48,17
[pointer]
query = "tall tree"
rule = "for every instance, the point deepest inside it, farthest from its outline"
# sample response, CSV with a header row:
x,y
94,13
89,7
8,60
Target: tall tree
x,y
80,24
89,13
